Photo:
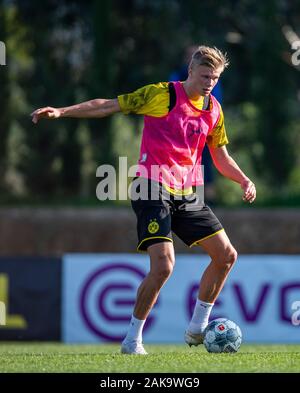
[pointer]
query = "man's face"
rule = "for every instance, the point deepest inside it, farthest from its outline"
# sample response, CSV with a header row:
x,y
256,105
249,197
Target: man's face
x,y
204,78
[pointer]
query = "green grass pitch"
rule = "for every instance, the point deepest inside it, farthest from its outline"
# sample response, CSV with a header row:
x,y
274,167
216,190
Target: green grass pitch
x,y
57,358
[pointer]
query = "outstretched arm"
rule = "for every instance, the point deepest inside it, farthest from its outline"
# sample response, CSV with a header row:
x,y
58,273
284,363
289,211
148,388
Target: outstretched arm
x,y
90,109
229,168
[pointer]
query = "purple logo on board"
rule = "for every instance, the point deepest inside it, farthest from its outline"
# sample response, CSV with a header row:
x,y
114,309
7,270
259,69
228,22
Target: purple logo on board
x,y
107,299
251,307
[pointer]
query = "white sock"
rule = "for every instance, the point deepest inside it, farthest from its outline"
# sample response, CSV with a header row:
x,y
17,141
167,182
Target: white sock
x,y
200,316
135,330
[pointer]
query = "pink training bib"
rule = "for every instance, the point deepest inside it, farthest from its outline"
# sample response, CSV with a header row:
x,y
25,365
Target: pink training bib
x,y
172,145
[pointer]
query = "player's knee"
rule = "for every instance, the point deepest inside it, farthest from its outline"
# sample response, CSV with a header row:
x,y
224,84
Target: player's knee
x,y
164,266
227,259
230,257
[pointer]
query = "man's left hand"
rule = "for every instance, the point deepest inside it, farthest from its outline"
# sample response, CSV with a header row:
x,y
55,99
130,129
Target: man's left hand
x,y
249,190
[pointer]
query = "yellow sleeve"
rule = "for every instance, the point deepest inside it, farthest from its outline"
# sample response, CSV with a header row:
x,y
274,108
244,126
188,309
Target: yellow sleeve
x,y
152,100
217,137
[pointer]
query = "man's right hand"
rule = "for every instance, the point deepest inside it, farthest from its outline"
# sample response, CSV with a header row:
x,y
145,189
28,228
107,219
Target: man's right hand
x,y
45,113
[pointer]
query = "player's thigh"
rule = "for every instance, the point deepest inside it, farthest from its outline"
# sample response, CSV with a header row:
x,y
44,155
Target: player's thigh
x,y
162,257
218,246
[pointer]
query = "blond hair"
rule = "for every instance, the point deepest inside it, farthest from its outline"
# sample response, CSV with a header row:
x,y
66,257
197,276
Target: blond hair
x,y
211,57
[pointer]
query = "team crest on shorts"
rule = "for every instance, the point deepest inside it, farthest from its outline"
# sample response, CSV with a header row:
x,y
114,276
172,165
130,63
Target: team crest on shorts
x,y
153,227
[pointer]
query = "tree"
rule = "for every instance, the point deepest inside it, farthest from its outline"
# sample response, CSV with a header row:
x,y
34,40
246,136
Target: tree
x,y
5,114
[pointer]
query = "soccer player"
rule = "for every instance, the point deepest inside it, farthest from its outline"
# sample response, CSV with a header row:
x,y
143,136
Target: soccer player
x,y
179,118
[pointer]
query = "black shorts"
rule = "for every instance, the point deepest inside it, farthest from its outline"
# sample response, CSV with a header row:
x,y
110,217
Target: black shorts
x,y
188,217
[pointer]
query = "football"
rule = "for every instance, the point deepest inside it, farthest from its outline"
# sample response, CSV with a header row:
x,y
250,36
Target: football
x,y
222,335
